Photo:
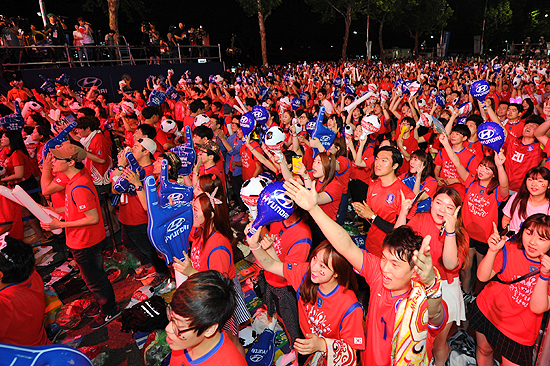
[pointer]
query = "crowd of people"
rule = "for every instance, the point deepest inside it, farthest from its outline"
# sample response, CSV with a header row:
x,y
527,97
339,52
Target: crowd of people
x,y
454,231
87,46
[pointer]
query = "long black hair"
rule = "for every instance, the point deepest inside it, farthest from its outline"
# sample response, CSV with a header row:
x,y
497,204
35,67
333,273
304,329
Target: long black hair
x,y
522,197
16,142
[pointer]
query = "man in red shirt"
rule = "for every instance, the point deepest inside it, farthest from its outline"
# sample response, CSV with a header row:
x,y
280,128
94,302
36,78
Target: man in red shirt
x,y
195,108
133,215
406,141
513,124
208,155
383,198
151,116
84,228
199,309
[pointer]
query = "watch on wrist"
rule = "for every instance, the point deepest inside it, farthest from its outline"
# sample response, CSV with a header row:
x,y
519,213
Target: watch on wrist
x,y
373,216
139,189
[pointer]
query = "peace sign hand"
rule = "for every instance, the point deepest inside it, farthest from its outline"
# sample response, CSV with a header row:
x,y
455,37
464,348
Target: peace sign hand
x,y
496,242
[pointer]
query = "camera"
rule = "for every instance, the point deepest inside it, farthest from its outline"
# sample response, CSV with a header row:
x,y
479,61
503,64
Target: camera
x,y
145,26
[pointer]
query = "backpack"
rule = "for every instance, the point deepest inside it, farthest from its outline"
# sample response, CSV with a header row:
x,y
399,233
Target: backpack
x,y
146,316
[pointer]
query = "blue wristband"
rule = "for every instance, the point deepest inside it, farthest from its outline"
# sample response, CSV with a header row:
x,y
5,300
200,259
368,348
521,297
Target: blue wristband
x,y
451,234
544,278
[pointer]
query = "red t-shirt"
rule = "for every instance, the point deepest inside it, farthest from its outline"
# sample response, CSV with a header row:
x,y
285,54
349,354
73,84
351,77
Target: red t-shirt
x,y
336,315
214,170
58,198
448,169
18,158
475,148
334,190
364,174
424,225
410,145
161,138
342,175
10,213
519,159
223,353
249,161
81,196
507,306
216,255
100,147
189,121
480,209
292,245
386,203
132,212
514,130
23,309
381,316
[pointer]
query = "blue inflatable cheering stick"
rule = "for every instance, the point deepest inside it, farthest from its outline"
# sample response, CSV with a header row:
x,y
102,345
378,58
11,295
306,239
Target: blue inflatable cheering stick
x,y
156,98
122,185
170,225
172,193
14,121
59,139
49,86
53,355
186,153
273,205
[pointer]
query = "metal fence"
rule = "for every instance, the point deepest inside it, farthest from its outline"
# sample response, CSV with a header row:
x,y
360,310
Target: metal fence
x,y
46,56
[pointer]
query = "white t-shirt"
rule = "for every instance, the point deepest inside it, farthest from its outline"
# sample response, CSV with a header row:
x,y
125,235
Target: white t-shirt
x,y
77,34
515,221
88,39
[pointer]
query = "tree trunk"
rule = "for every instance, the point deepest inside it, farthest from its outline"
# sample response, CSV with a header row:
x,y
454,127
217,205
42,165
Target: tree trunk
x,y
113,17
380,40
415,37
263,41
347,20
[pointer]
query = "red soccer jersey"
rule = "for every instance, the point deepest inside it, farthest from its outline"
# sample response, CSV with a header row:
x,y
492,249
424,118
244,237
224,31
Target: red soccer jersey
x,y
515,129
18,158
364,174
214,170
292,245
161,138
386,203
336,315
480,209
249,161
132,212
342,175
334,190
189,121
223,353
519,159
410,145
81,196
100,147
23,308
448,169
496,97
216,255
507,306
424,225
58,198
381,316
475,148
10,213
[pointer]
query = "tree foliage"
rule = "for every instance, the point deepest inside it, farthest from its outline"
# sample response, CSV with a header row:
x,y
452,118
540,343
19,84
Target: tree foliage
x,y
331,10
498,22
424,16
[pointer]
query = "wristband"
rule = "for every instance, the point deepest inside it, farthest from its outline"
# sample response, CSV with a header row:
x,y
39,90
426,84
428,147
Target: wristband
x,y
451,234
254,249
434,290
544,278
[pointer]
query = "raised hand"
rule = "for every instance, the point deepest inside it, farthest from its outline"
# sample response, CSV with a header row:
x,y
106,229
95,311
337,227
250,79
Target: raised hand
x,y
423,265
306,199
545,265
450,220
496,242
184,267
406,204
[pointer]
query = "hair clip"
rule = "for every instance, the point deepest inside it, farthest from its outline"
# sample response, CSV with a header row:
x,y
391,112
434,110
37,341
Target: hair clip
x,y
212,196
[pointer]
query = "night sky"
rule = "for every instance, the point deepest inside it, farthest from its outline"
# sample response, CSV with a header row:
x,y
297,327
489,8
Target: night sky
x,y
292,26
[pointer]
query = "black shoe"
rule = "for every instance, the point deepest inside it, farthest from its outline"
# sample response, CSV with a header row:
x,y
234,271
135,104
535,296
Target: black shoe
x,y
93,311
102,320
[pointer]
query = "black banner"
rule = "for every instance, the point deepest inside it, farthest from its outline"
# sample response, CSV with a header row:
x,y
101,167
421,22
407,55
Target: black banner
x,y
107,77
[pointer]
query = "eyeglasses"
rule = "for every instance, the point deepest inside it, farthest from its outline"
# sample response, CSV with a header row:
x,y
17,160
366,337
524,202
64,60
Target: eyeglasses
x,y
175,329
65,159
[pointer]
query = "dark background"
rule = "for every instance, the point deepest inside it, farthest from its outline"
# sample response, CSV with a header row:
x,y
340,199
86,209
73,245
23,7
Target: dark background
x,y
292,26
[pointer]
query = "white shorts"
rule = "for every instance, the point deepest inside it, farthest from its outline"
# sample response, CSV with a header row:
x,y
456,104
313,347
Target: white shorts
x,y
452,294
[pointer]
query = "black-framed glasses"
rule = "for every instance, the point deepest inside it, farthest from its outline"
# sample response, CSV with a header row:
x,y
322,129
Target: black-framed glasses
x,y
178,332
65,159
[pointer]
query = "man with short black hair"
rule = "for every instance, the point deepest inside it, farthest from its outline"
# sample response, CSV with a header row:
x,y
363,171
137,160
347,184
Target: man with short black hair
x,y
199,309
84,229
383,202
